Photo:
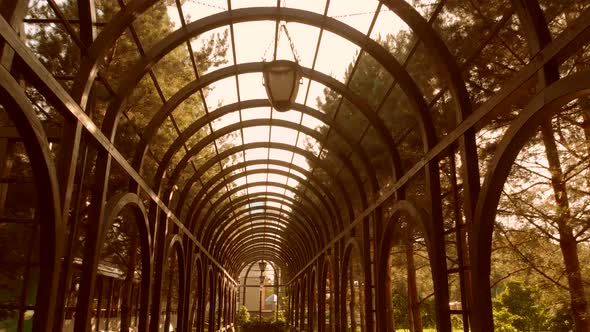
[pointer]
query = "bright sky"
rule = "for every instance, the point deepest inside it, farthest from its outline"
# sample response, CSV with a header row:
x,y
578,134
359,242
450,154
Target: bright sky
x,y
254,42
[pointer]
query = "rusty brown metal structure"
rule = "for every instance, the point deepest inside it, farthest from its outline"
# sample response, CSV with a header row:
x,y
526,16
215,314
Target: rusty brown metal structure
x,y
197,222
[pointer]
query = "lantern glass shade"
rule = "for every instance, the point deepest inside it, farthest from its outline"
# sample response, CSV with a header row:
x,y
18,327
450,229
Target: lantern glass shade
x,y
281,80
262,266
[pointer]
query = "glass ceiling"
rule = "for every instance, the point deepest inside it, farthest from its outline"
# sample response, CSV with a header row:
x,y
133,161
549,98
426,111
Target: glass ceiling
x,y
191,95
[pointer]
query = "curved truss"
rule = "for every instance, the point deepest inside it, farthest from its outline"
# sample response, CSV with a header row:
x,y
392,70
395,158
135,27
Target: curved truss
x,y
216,214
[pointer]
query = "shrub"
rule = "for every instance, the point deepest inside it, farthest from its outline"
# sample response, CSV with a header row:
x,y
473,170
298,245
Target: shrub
x,y
264,326
243,316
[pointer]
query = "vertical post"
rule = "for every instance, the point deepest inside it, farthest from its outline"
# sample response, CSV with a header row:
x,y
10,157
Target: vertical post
x,y
260,303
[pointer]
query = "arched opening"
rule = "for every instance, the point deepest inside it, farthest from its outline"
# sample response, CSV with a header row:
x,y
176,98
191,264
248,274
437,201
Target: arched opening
x,y
412,292
539,234
110,107
195,298
313,305
353,287
119,294
327,282
303,303
210,302
173,288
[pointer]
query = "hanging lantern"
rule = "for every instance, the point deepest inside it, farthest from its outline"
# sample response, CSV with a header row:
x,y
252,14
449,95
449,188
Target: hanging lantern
x,y
262,266
281,80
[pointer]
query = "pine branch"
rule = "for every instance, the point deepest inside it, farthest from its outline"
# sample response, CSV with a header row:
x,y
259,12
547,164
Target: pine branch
x,y
528,261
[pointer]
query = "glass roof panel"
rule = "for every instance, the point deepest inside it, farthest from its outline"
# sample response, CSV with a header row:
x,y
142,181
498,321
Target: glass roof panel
x,y
293,116
309,143
277,178
240,181
279,167
280,154
220,93
316,6
251,86
387,25
258,153
282,191
300,161
257,189
188,111
256,166
304,92
296,172
210,58
256,134
224,142
195,10
249,49
256,113
316,94
226,120
233,159
252,3
260,177
274,204
357,14
292,182
304,38
283,135
311,122
335,54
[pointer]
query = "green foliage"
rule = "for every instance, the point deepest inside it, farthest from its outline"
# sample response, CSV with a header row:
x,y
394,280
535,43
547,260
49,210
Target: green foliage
x,y
400,313
561,319
243,316
428,312
517,308
264,326
280,317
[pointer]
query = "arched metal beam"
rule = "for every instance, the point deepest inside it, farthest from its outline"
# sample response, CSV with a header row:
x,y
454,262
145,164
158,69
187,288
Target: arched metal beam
x,y
281,146
17,105
537,36
275,266
215,190
264,197
450,72
391,229
167,109
112,209
242,148
258,223
295,229
310,176
296,221
546,103
250,249
193,29
220,236
200,123
275,123
311,231
256,232
239,265
176,249
271,248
